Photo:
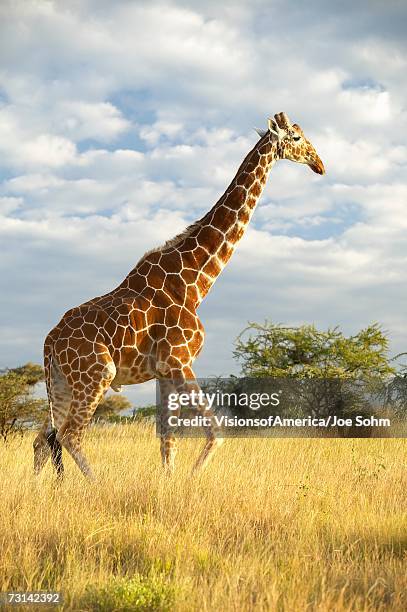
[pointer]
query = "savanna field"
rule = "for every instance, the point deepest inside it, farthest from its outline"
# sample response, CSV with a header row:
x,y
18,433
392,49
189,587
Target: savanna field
x,y
283,524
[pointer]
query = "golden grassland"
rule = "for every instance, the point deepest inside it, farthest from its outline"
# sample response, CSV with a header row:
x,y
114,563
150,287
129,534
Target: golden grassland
x,y
282,524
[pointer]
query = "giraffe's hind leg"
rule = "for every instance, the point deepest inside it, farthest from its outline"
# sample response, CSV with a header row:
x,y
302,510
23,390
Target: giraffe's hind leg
x,y
56,452
45,444
85,398
42,451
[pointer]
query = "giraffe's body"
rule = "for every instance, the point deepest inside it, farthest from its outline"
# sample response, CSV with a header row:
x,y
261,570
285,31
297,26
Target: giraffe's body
x,y
148,326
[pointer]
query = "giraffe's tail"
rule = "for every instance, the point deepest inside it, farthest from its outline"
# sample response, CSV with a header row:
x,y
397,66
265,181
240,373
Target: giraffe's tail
x,y
48,359
51,431
56,452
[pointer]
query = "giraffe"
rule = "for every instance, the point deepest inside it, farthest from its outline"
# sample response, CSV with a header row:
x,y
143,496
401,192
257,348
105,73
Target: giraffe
x,y
148,326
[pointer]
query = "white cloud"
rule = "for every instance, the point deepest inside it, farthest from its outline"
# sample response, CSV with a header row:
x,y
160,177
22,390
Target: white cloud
x,y
152,133
101,121
9,205
22,147
367,105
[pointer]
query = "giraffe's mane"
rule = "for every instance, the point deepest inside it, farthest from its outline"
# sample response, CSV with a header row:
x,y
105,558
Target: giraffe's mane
x,y
176,239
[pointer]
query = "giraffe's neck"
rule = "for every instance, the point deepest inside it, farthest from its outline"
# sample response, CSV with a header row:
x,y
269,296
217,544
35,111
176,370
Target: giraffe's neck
x,y
220,230
207,245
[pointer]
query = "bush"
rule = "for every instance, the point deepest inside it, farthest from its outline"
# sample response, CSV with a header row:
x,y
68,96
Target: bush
x,y
137,594
18,409
110,407
145,412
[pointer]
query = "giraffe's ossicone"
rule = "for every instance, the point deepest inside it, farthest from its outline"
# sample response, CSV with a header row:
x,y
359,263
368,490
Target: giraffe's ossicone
x,y
148,326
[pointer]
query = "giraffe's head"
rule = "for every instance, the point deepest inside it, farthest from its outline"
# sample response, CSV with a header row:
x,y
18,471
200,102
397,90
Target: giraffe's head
x,y
292,143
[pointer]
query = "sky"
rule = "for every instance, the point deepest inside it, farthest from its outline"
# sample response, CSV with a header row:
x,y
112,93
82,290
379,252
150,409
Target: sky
x,y
122,122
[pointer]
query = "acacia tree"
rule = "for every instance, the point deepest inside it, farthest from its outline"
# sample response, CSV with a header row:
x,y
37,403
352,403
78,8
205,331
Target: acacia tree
x,y
18,408
32,372
306,352
394,394
111,406
323,362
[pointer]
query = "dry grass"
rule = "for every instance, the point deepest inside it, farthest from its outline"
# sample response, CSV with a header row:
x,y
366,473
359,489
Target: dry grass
x,y
271,525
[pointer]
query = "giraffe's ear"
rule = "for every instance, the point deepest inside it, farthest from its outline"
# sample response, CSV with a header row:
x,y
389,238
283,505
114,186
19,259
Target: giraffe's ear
x,y
298,128
275,129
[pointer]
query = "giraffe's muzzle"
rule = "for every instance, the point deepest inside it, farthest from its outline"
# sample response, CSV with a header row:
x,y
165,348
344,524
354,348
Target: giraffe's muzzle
x,y
317,166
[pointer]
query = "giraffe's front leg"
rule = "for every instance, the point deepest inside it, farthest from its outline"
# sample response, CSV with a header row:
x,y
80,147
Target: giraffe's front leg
x,y
213,442
213,436
212,431
168,443
168,447
184,381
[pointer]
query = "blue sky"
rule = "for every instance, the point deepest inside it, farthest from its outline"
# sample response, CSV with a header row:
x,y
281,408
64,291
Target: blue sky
x,y
122,122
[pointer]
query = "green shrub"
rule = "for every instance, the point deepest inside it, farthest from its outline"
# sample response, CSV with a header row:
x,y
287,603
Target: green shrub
x,y
137,594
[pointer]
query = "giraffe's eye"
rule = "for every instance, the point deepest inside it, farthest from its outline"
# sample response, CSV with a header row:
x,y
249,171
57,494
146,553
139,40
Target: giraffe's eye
x,y
296,137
